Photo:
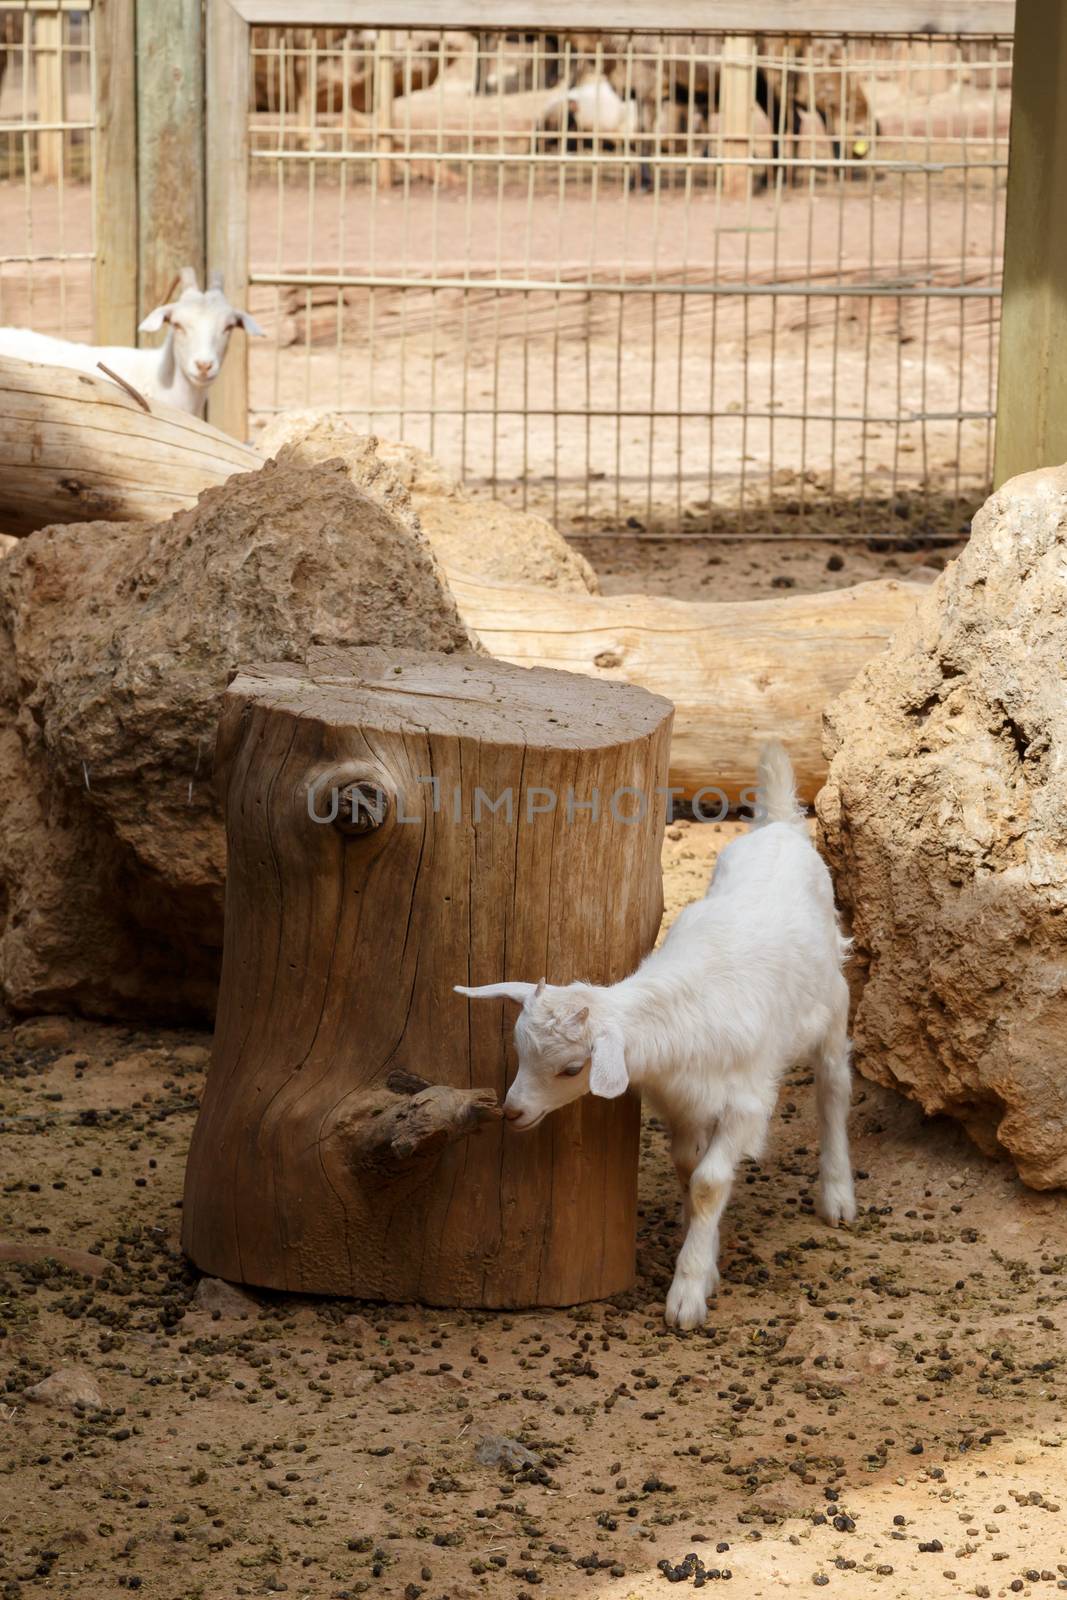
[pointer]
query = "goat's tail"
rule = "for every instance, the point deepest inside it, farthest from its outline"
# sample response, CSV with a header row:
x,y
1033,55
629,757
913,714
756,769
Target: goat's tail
x,y
776,789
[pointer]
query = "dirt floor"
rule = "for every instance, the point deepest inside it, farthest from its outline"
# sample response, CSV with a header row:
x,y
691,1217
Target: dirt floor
x,y
710,569
878,1410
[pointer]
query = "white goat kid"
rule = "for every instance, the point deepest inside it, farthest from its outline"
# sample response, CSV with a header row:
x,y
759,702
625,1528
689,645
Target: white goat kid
x,y
180,372
747,984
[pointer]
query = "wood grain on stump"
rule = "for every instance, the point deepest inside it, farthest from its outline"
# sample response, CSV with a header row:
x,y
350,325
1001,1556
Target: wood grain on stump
x,y
349,1140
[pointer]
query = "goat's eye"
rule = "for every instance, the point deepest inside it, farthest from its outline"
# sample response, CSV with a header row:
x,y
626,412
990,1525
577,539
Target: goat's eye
x,y
571,1072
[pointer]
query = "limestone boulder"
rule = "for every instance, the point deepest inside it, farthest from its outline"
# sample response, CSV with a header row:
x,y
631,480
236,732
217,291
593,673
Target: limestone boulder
x,y
944,820
482,538
67,1388
116,642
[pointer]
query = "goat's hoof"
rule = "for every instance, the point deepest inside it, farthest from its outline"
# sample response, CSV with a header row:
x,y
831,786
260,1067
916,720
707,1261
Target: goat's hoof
x,y
687,1304
836,1202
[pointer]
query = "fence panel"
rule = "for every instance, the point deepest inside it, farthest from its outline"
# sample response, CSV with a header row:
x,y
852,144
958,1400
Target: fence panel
x,y
668,281
46,133
709,283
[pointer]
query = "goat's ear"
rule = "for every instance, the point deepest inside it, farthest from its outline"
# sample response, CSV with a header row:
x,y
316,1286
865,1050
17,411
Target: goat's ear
x,y
155,319
491,991
250,325
608,1077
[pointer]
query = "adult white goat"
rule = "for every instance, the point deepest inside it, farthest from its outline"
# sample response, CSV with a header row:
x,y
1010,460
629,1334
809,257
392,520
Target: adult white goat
x,y
183,368
594,110
747,983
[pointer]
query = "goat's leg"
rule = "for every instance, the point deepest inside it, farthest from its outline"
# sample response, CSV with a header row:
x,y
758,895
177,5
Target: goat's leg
x,y
836,1200
696,1273
688,1146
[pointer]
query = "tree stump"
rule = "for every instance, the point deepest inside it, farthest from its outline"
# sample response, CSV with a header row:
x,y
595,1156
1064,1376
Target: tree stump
x,y
350,1140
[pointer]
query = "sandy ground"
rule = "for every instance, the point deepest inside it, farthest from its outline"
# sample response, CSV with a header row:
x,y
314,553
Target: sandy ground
x,y
874,1411
711,569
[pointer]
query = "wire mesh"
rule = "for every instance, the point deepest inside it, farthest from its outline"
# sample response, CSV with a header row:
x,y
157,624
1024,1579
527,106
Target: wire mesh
x,y
661,282
46,124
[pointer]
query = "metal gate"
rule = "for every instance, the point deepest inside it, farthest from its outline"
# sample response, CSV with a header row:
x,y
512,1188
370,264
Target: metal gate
x,y
67,157
666,281
660,280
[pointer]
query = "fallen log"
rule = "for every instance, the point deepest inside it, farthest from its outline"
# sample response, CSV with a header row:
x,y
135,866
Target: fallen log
x,y
76,448
738,672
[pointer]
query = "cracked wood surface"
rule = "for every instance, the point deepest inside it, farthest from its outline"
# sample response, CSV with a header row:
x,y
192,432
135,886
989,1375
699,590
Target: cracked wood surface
x,y
333,1150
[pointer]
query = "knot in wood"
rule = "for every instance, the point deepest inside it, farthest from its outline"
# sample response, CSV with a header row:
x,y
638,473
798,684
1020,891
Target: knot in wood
x,y
362,806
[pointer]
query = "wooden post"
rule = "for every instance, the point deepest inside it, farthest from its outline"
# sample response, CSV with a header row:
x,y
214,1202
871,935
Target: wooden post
x,y
736,109
227,85
319,1163
384,89
170,147
50,88
114,173
1032,381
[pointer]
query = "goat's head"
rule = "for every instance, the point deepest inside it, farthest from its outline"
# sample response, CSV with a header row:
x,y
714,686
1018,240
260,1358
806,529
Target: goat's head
x,y
565,1050
200,322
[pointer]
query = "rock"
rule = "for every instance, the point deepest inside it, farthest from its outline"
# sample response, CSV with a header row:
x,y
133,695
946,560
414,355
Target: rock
x,y
496,1450
830,1353
481,537
944,820
44,1033
215,1294
303,438
790,1498
67,1386
196,1056
359,1328
116,641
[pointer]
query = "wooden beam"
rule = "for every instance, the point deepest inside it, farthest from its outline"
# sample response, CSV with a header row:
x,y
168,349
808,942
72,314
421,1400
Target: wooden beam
x,y
227,196
50,98
1032,383
383,104
170,146
114,173
737,107
686,16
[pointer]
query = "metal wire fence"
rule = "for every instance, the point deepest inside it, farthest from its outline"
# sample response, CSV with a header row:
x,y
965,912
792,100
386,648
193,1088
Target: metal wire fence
x,y
640,282
46,127
666,282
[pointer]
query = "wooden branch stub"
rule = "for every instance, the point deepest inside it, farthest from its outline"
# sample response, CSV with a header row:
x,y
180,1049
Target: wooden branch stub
x,y
361,807
135,394
412,1122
